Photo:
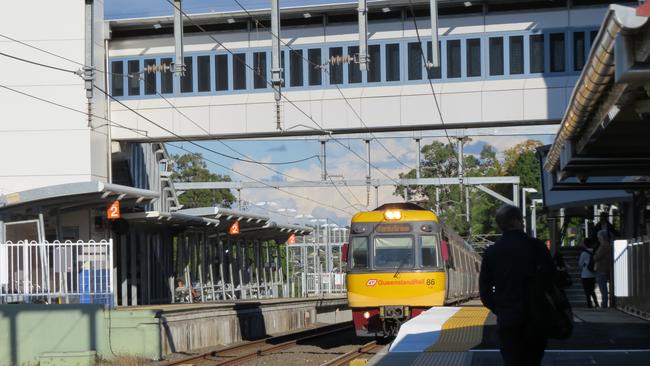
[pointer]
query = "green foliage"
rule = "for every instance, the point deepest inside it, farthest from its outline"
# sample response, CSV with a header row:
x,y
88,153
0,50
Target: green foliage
x,y
192,168
439,160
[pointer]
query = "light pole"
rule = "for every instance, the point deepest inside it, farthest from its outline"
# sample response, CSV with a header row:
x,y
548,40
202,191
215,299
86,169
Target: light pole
x,y
533,215
523,203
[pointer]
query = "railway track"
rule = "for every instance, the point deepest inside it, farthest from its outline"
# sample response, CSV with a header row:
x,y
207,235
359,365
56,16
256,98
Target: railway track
x,y
249,351
367,349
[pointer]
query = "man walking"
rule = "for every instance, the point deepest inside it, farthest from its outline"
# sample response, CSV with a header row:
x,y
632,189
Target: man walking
x,y
506,270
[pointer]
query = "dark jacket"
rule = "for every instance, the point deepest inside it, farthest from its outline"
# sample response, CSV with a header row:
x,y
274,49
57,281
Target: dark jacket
x,y
506,269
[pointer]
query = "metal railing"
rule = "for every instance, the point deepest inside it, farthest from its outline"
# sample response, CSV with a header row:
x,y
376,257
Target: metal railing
x,y
56,273
632,275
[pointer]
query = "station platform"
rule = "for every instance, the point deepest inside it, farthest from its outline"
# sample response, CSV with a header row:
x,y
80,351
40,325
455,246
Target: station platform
x,y
466,336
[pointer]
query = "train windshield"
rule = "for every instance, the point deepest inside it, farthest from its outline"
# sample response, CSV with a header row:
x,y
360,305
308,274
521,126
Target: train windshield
x,y
359,251
431,257
393,252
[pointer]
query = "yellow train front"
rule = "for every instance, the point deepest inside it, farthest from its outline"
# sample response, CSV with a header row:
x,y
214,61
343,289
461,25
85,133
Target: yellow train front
x,y
402,260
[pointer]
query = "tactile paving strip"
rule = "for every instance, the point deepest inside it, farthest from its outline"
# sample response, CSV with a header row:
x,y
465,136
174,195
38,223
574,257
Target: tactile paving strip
x,y
462,332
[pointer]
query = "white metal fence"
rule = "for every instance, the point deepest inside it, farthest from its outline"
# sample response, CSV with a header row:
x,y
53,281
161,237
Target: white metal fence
x,y
56,273
632,275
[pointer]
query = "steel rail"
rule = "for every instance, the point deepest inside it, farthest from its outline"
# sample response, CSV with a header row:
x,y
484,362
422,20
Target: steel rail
x,y
346,358
258,345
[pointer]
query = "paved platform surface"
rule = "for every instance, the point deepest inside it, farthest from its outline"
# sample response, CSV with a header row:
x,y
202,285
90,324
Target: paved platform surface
x,y
467,336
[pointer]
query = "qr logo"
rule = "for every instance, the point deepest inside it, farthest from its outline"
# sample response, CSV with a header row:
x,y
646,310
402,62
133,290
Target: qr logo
x,y
371,282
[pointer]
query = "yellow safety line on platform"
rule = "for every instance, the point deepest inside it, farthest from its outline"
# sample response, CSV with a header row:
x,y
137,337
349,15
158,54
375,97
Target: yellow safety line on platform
x,y
463,331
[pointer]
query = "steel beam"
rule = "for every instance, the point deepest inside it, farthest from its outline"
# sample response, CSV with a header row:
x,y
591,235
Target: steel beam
x,y
351,183
179,65
363,35
495,194
435,58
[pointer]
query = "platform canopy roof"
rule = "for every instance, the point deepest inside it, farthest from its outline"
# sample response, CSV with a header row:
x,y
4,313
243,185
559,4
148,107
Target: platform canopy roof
x,y
75,195
171,218
251,226
603,140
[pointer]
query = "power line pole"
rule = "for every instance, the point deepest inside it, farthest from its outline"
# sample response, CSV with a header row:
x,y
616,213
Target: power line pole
x,y
179,65
276,67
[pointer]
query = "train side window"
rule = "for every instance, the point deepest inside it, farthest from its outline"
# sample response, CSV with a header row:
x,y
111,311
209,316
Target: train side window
x,y
166,77
516,55
134,77
433,72
203,73
374,64
430,251
536,53
150,86
221,72
453,59
393,68
359,252
117,78
315,72
354,70
187,81
259,65
295,61
473,57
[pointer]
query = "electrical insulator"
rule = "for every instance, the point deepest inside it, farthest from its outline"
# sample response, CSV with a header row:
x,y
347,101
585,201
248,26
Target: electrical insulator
x,y
340,60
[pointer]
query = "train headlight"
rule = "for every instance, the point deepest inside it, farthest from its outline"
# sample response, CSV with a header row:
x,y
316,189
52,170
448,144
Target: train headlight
x,y
392,214
366,315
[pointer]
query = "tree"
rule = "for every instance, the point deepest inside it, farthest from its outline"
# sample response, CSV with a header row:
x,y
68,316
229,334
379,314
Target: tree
x,y
192,168
440,161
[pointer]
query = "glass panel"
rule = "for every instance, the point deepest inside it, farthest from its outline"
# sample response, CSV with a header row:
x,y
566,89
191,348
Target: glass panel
x,y
203,73
134,77
578,51
354,70
239,71
516,55
558,54
150,86
187,81
315,72
392,62
117,78
221,72
166,77
453,59
296,68
393,252
473,54
537,53
336,68
496,56
433,72
374,64
259,65
430,250
282,74
359,252
592,37
414,61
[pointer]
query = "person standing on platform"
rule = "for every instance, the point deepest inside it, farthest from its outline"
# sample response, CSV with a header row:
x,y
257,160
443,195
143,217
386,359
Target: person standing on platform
x,y
506,269
604,260
587,272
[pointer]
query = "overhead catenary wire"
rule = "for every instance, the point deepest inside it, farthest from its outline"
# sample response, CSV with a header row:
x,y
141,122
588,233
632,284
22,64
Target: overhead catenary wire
x,y
202,29
176,146
165,129
309,62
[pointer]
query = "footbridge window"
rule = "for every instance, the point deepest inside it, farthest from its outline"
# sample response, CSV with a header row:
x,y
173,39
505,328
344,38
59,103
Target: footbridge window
x,y
494,56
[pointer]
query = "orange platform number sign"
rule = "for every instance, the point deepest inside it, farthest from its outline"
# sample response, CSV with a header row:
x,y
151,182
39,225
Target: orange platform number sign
x,y
234,228
292,239
113,211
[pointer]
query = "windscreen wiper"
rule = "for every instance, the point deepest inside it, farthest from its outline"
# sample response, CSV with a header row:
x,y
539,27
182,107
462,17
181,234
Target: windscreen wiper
x,y
401,263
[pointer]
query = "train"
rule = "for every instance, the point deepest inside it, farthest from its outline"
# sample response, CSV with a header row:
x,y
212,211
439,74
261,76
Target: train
x,y
401,259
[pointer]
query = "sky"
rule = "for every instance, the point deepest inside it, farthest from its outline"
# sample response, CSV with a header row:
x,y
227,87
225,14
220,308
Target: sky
x,y
341,163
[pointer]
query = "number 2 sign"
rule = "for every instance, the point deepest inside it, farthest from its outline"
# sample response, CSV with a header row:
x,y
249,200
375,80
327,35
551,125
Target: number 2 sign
x,y
113,211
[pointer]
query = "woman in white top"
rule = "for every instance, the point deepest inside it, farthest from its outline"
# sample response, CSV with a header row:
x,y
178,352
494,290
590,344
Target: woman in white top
x,y
587,274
